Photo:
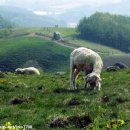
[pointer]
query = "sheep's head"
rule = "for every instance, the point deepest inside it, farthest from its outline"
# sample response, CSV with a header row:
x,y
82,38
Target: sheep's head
x,y
19,71
92,81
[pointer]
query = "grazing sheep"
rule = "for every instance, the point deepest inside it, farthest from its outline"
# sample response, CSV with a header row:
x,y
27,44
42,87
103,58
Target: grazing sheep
x,y
121,65
29,70
88,61
112,68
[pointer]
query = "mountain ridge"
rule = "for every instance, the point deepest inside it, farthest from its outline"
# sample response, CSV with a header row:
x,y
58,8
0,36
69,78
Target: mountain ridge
x,y
26,18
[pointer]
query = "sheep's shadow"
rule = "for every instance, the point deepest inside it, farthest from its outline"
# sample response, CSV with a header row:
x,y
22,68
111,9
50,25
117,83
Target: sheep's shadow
x,y
65,90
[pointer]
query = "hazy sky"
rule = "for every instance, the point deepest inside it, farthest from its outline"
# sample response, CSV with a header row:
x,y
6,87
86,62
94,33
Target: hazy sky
x,y
60,5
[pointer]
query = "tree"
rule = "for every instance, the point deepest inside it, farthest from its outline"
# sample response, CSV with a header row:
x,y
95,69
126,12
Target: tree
x,y
107,29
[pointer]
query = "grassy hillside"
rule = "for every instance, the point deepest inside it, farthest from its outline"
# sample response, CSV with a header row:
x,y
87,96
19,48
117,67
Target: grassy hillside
x,y
69,35
22,51
22,48
46,103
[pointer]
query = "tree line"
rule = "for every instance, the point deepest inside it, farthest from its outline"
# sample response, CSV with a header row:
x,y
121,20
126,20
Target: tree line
x,y
108,29
5,27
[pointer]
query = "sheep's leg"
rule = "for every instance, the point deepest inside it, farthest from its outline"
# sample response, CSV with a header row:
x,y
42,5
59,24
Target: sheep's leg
x,y
99,86
75,76
72,69
87,86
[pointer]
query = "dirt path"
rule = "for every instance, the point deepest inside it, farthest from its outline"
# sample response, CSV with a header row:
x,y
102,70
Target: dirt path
x,y
60,42
63,42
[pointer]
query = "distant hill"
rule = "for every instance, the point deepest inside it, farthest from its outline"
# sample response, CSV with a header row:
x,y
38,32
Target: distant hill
x,y
5,23
25,18
75,14
5,27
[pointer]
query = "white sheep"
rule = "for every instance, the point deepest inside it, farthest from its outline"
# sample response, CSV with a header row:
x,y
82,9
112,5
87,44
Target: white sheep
x,y
88,61
29,70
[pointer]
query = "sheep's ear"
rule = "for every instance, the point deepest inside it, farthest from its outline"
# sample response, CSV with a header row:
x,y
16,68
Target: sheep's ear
x,y
87,78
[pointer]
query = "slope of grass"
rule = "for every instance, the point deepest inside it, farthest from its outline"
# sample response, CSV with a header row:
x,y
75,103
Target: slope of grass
x,y
16,52
45,98
70,35
23,48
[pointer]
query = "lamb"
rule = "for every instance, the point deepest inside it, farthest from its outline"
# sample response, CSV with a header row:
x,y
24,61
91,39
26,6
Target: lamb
x,y
29,70
88,61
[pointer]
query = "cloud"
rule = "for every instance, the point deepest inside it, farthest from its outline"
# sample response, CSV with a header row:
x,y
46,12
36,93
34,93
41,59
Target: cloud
x,y
68,4
61,5
86,2
102,2
40,13
2,2
65,6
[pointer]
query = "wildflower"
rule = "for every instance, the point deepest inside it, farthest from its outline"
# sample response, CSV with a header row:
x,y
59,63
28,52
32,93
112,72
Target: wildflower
x,y
114,124
121,122
7,124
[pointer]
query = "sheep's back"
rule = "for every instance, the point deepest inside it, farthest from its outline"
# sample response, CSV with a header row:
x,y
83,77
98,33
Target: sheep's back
x,y
84,58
